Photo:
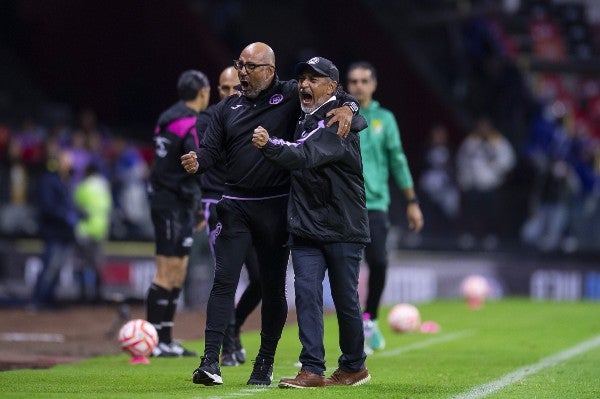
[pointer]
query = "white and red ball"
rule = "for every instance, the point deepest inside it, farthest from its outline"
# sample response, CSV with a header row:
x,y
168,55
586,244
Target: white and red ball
x,y
404,317
475,289
138,337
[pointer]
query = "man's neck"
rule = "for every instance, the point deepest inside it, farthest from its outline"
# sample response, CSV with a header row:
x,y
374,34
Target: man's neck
x,y
332,98
366,103
195,105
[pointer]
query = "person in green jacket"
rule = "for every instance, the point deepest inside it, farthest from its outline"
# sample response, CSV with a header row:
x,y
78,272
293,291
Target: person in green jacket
x,y
382,152
93,198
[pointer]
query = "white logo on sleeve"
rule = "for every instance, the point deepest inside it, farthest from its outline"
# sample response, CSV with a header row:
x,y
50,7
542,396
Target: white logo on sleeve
x,y
161,146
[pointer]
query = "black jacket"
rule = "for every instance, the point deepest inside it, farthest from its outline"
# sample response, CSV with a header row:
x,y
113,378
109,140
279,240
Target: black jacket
x,y
212,182
58,214
174,135
327,197
249,174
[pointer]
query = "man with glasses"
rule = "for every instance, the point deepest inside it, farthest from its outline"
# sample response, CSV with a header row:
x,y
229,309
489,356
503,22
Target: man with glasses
x,y
212,183
253,208
382,152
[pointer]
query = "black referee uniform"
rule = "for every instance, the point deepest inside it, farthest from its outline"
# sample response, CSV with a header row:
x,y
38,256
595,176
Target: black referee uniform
x,y
173,193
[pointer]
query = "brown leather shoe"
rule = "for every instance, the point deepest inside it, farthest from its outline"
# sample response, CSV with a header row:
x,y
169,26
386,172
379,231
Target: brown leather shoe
x,y
304,379
341,377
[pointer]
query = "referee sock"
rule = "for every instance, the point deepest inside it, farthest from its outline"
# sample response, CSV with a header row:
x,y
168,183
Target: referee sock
x,y
166,332
156,306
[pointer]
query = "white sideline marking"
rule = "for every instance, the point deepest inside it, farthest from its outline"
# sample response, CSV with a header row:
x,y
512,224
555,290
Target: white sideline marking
x,y
425,344
243,393
31,337
517,375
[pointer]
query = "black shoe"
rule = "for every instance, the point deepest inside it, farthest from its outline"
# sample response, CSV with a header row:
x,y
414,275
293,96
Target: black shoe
x,y
208,373
239,352
262,372
233,344
229,359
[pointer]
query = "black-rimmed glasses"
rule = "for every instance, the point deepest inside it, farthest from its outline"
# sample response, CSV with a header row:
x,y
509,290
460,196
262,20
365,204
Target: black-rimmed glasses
x,y
250,66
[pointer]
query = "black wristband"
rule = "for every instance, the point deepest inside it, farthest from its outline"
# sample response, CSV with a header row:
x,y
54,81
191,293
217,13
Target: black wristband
x,y
352,105
413,200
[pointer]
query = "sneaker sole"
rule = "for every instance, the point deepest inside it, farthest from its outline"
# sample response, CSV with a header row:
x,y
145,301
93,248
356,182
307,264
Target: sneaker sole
x,y
363,381
287,385
204,378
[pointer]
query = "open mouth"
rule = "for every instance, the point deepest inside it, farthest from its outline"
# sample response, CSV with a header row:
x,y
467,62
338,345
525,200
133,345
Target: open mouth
x,y
245,85
306,98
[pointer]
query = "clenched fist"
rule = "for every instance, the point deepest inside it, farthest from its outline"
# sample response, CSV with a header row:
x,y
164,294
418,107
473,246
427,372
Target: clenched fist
x,y
189,162
260,137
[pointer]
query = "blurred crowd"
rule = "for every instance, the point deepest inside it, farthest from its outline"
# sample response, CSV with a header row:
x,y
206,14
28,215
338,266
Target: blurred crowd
x,y
465,187
25,152
474,191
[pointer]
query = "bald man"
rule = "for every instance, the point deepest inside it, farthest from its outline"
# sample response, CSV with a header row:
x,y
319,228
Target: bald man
x,y
228,80
212,183
253,208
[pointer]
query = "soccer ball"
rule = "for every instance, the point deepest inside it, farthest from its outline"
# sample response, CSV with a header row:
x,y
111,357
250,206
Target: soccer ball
x,y
138,337
404,317
475,289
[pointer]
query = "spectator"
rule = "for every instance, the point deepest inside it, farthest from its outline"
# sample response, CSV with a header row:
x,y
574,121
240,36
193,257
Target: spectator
x,y
17,216
483,162
129,178
57,219
94,200
440,196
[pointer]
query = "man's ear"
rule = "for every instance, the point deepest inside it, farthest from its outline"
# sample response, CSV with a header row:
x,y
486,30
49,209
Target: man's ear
x,y
332,87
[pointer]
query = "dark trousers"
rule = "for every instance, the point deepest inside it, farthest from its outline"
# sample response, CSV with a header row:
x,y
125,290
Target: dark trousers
x,y
376,257
342,261
56,254
88,262
261,223
252,295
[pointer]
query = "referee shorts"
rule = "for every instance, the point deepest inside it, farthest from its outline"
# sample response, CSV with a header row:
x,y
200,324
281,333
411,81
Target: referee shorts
x,y
173,230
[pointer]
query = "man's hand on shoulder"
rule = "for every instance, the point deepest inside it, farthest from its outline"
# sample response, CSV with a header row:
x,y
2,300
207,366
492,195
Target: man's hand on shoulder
x,y
343,115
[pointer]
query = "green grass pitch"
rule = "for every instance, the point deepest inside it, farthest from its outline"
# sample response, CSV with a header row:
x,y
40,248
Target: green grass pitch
x,y
512,348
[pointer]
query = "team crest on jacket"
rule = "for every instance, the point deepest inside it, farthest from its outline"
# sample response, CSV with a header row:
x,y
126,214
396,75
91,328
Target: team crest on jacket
x,y
276,99
377,126
218,229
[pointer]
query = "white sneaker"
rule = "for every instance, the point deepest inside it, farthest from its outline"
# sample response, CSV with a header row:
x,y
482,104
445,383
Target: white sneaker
x,y
163,350
171,350
180,350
